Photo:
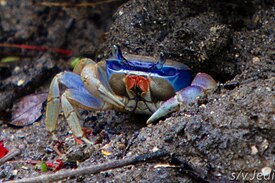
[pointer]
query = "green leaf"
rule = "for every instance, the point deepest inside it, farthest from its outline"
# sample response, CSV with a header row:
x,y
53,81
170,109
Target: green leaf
x,y
9,59
74,61
43,166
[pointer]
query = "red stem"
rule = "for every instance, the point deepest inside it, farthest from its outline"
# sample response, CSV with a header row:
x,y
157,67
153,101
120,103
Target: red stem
x,y
39,48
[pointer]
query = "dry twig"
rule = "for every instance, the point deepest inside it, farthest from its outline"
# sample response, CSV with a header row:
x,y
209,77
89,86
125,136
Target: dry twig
x,y
94,168
11,154
83,4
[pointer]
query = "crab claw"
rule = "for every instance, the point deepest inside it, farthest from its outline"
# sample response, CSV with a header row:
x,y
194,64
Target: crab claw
x,y
202,84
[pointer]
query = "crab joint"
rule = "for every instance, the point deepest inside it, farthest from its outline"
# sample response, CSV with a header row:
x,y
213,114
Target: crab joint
x,y
137,84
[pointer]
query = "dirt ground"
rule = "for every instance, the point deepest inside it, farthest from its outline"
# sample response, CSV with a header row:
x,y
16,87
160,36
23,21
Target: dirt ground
x,y
229,136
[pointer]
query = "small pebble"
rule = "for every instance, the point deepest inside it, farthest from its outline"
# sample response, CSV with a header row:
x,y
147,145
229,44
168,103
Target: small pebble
x,y
187,115
256,60
14,172
265,145
120,13
268,89
24,168
20,82
3,2
254,150
22,146
16,69
155,149
266,171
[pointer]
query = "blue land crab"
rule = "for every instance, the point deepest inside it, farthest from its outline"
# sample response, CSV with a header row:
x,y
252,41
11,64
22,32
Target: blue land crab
x,y
133,83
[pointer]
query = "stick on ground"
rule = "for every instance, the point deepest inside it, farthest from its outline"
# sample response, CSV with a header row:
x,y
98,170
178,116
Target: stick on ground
x,y
94,168
11,154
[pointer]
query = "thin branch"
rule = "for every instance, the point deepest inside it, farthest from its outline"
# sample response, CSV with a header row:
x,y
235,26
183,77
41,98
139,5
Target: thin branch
x,y
84,4
39,48
130,142
11,154
94,168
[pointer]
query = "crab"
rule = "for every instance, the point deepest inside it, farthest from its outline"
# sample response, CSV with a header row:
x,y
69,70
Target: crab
x,y
133,83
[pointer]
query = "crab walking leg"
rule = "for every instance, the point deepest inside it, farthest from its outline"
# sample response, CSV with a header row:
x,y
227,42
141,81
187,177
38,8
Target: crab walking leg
x,y
70,80
75,96
86,101
53,106
75,84
202,84
72,119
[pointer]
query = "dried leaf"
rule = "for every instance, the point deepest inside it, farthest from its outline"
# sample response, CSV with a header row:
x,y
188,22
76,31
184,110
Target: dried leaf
x,y
28,110
106,150
105,153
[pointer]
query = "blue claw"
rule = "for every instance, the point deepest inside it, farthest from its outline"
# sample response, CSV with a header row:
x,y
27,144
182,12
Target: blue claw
x,y
167,107
201,84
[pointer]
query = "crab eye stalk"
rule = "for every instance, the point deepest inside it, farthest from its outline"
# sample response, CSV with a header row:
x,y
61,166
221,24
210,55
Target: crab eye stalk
x,y
116,52
161,61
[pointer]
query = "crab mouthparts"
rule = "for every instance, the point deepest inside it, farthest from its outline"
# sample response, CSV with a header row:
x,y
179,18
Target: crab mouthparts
x,y
138,84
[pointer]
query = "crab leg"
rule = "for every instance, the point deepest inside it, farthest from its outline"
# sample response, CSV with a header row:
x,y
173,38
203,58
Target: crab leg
x,y
202,84
53,106
53,103
72,119
77,96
